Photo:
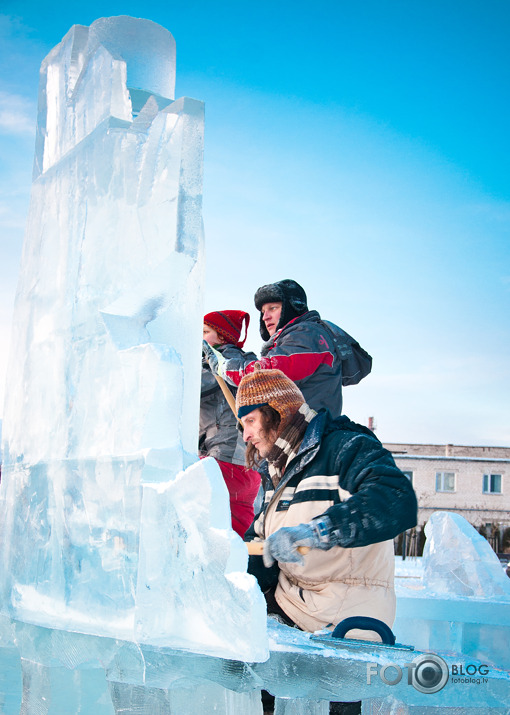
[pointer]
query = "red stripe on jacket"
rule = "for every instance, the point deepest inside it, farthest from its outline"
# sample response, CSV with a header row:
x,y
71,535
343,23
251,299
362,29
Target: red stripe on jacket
x,y
296,366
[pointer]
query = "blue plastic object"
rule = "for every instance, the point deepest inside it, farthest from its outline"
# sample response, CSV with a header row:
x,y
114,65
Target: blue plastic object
x,y
366,623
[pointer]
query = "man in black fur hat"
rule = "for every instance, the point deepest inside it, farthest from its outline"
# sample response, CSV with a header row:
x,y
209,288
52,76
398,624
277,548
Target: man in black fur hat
x,y
317,355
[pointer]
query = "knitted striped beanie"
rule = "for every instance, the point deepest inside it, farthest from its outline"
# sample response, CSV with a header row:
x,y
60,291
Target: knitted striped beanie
x,y
268,387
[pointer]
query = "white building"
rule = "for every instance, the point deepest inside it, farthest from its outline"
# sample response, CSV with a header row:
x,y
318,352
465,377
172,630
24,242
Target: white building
x,y
472,481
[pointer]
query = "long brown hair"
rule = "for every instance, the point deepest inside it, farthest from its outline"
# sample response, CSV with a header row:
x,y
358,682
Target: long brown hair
x,y
270,421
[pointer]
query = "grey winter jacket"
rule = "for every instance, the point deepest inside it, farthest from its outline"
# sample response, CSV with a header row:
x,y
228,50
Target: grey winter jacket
x,y
218,433
317,355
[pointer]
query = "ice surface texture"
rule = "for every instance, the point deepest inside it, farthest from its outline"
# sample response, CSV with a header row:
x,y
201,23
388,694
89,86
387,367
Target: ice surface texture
x,y
103,530
71,673
458,561
462,603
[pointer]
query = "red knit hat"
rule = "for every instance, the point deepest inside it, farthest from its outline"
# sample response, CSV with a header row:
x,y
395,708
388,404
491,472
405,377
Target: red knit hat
x,y
229,324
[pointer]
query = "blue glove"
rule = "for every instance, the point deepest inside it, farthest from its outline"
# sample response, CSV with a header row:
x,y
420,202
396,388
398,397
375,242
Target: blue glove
x,y
214,358
283,544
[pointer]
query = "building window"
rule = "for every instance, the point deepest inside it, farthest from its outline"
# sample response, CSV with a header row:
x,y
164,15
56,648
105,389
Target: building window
x,y
408,474
492,483
445,481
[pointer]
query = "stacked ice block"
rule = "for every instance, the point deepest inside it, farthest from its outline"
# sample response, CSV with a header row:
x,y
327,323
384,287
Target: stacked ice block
x,y
110,523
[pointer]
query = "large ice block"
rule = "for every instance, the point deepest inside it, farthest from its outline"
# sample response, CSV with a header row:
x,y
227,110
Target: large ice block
x,y
145,679
459,601
110,524
187,581
458,561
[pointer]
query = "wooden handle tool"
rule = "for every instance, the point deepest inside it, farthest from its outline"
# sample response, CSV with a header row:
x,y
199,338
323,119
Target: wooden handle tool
x,y
256,548
227,394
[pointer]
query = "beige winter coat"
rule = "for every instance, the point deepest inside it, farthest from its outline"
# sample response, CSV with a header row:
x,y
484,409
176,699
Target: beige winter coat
x,y
335,584
342,470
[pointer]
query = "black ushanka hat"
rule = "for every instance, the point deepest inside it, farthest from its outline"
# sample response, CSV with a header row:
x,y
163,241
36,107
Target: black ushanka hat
x,y
289,294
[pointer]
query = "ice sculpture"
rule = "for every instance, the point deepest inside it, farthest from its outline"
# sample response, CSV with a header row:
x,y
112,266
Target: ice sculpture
x,y
458,561
116,555
462,602
110,524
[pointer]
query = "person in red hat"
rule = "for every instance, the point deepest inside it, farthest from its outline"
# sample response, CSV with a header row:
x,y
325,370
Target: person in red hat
x,y
219,436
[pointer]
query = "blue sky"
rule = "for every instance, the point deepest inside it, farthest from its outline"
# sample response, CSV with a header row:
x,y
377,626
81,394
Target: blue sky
x,y
360,148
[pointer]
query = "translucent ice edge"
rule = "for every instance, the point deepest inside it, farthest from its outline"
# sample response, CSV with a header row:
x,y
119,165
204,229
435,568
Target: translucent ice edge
x,y
298,667
57,613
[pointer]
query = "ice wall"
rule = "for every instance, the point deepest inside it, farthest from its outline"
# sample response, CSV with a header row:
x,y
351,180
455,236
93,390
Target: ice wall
x,y
101,413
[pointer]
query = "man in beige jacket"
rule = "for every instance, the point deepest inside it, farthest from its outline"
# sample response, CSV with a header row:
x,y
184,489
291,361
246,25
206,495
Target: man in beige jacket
x,y
332,487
